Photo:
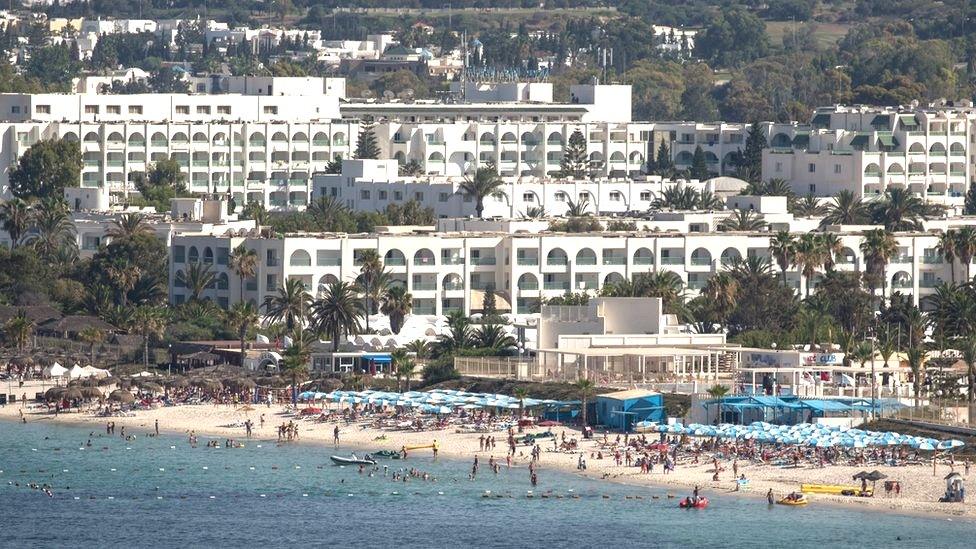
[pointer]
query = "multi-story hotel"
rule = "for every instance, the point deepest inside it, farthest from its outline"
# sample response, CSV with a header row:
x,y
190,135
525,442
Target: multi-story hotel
x,y
450,268
260,145
868,150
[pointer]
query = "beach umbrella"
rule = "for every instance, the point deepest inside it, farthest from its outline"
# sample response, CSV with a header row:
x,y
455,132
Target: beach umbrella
x,y
54,393
151,387
950,444
110,380
861,475
926,446
73,393
875,476
122,396
91,392
178,383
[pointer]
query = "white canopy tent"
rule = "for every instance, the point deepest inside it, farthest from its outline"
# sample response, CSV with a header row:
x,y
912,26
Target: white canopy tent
x,y
55,370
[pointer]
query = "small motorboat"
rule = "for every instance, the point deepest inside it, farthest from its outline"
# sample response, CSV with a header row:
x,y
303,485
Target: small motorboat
x,y
391,454
353,460
794,500
692,503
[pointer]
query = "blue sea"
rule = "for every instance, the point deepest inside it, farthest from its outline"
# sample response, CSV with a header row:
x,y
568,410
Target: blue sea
x,y
158,491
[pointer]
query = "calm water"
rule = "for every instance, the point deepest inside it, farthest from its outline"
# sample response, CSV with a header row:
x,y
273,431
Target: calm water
x,y
159,491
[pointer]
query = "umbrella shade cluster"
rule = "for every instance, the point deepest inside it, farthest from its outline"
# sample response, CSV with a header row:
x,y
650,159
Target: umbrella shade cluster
x,y
438,401
122,396
806,434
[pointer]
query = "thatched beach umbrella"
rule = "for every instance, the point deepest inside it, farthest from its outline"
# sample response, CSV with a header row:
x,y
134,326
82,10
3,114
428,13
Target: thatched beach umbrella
x,y
73,393
106,381
151,387
54,393
178,383
91,392
239,383
122,396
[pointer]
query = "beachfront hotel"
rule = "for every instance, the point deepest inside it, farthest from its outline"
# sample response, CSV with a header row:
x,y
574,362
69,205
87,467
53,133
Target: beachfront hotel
x,y
867,150
449,267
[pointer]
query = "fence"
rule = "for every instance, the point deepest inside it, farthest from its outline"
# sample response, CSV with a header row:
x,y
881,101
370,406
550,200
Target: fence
x,y
497,367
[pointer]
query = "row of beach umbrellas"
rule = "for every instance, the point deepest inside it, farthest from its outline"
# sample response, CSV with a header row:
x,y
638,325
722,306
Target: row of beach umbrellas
x,y
438,401
804,434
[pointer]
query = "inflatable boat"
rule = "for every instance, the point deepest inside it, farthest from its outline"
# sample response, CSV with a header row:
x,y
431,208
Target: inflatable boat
x,y
353,460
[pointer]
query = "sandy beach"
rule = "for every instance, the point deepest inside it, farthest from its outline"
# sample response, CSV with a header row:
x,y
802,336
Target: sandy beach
x,y
920,487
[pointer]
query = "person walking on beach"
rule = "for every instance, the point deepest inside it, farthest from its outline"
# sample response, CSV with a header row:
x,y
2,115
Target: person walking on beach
x,y
769,496
157,427
335,435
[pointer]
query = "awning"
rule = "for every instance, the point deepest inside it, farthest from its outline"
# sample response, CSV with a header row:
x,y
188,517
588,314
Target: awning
x,y
825,405
881,120
378,358
859,141
887,140
908,120
821,120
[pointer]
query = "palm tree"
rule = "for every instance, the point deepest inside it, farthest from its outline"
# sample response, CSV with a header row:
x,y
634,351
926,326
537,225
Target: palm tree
x,y
783,249
327,212
148,322
15,218
743,220
534,212
968,348
289,304
53,233
484,183
831,246
403,367
373,280
92,336
584,388
947,248
916,358
577,209
966,248
19,329
521,393
124,275
878,247
241,317
397,304
811,323
493,337
846,209
719,392
862,352
419,347
197,278
244,262
810,254
809,206
294,362
722,291
337,312
460,334
128,225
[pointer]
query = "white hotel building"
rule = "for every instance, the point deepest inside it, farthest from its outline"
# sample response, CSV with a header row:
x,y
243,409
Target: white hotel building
x,y
266,147
868,150
449,268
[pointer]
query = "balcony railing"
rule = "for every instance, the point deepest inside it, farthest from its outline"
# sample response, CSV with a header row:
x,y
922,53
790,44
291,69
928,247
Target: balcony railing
x,y
614,261
452,260
701,261
395,262
424,286
672,261
529,287
564,286
643,261
585,261
482,260
530,261
159,143
901,258
453,286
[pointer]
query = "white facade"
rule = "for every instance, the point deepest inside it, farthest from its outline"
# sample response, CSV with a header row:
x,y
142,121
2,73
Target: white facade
x,y
868,150
445,271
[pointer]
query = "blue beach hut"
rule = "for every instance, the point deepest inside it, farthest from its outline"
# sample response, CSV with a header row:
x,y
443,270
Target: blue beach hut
x,y
621,410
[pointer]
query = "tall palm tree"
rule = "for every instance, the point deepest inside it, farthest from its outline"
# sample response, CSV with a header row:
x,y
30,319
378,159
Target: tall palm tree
x,y
15,218
719,392
809,256
241,318
459,326
783,249
901,210
968,348
916,362
404,367
19,329
947,248
337,312
419,347
52,233
722,291
128,225
373,280
197,278
327,212
743,220
124,276
878,247
809,206
244,262
493,337
584,388
294,362
831,246
290,304
148,322
846,209
92,336
397,304
966,248
484,183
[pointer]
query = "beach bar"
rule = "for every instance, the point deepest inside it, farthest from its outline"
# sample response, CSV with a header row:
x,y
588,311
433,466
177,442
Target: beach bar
x,y
621,410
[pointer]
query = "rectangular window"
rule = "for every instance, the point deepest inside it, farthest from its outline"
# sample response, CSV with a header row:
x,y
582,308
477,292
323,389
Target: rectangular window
x,y
813,188
528,197
91,109
419,197
222,255
615,196
397,195
779,167
269,109
812,168
364,195
43,109
836,168
113,109
271,283
382,195
179,254
15,109
182,109
223,109
443,197
645,196
135,109
203,109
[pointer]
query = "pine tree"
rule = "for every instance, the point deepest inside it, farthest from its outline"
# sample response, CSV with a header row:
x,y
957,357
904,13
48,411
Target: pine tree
x,y
699,170
574,156
663,164
488,307
750,161
366,146
970,208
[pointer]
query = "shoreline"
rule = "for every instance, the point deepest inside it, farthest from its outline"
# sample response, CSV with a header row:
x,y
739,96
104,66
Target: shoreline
x,y
208,421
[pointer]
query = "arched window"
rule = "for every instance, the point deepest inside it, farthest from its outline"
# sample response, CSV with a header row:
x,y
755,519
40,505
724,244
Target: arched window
x,y
701,256
193,255
528,281
586,256
208,255
556,256
200,137
423,257
279,137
